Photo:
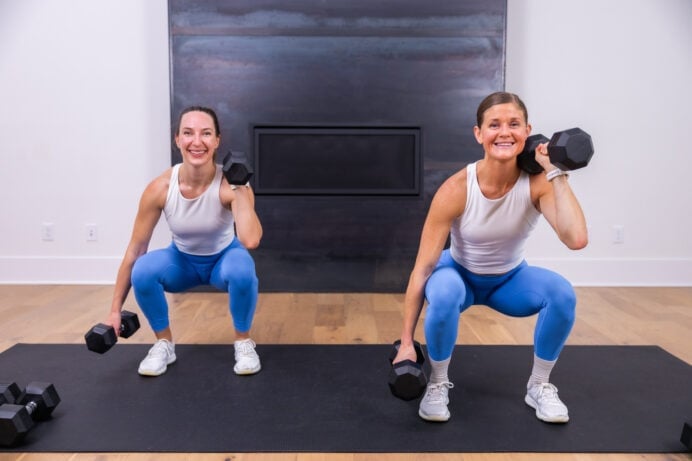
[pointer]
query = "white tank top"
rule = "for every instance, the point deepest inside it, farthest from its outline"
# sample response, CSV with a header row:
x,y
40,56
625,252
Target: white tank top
x,y
490,235
202,225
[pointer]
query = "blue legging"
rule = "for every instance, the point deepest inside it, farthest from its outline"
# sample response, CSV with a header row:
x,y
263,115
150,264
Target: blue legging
x,y
232,270
523,291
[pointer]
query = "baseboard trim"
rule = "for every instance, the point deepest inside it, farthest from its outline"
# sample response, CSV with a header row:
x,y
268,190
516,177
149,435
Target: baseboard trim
x,y
581,271
671,272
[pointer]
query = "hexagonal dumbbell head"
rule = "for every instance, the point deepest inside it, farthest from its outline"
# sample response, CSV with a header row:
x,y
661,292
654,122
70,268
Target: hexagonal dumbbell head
x,y
40,399
236,171
100,338
407,380
570,149
129,323
15,422
9,392
237,174
527,159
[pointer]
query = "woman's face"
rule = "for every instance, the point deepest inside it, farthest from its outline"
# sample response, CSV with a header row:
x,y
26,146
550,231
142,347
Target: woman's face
x,y
196,138
503,132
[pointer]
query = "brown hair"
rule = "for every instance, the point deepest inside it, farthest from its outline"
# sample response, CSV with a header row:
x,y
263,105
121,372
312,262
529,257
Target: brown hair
x,y
207,111
500,97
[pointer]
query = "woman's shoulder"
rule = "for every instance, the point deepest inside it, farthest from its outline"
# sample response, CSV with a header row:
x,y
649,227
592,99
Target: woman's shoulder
x,y
451,195
456,183
157,189
163,180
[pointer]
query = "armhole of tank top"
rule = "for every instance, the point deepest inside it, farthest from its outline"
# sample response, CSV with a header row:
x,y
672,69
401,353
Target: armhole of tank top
x,y
172,184
528,195
470,180
218,177
174,173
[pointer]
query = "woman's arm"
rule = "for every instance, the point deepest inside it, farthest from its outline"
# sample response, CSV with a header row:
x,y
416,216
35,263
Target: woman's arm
x,y
558,204
150,206
242,203
447,204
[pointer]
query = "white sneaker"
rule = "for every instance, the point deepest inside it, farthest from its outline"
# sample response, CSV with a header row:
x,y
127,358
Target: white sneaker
x,y
549,408
161,354
433,406
247,362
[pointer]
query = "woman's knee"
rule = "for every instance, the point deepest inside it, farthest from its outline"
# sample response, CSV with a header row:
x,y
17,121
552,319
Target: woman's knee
x,y
445,293
243,280
143,275
239,272
445,287
563,300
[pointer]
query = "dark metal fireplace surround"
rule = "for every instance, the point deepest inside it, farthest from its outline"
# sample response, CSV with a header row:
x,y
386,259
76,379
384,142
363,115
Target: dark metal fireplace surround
x,y
337,161
351,114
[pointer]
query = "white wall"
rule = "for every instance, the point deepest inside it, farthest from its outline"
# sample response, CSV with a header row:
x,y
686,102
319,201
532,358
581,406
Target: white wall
x,y
621,70
84,111
83,83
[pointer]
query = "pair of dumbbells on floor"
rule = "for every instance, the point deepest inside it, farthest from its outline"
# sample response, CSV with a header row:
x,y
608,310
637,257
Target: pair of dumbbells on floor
x,y
21,410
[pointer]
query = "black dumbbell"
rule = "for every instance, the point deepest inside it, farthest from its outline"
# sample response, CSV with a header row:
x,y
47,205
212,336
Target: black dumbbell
x,y
568,150
36,403
101,337
407,378
9,392
237,172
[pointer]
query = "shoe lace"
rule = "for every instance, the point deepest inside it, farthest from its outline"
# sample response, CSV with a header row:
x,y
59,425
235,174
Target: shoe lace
x,y
436,391
547,391
159,350
245,348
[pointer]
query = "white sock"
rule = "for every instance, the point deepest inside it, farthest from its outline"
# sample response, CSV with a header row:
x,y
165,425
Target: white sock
x,y
438,371
541,371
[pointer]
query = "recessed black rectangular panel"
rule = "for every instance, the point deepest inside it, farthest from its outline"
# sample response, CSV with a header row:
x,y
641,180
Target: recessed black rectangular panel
x,y
337,161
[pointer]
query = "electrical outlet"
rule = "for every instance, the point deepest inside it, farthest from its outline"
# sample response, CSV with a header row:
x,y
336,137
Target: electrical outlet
x,y
47,231
92,232
619,233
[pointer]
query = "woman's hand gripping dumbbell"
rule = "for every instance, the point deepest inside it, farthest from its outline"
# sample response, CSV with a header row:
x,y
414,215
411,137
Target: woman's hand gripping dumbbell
x,y
407,378
101,337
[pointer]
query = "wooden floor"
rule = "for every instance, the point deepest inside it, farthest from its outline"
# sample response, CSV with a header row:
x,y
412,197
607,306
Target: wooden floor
x,y
605,316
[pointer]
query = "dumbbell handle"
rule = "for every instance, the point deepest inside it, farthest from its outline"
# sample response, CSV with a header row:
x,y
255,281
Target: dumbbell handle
x,y
128,318
31,406
39,399
420,358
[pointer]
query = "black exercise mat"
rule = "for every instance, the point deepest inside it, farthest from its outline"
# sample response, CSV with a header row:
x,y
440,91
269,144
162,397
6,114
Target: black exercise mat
x,y
335,399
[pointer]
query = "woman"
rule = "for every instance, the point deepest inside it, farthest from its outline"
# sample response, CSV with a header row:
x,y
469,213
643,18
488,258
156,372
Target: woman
x,y
212,225
490,207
